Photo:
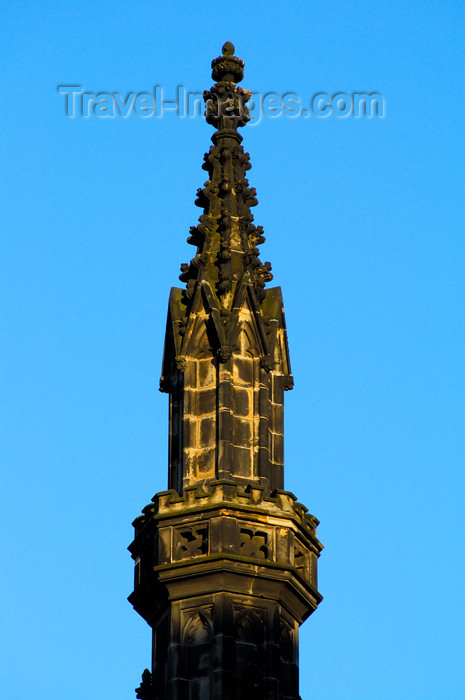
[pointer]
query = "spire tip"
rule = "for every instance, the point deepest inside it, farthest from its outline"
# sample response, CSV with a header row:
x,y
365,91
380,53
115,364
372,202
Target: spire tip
x,y
228,49
228,67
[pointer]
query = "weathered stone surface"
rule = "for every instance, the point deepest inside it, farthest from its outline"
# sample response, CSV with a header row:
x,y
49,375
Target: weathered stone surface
x,y
225,561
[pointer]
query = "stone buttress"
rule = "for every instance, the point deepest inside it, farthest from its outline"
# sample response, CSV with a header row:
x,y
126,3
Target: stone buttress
x,y
225,560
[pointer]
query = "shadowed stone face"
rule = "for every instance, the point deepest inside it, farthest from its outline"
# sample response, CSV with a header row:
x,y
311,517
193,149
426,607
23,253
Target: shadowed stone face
x,y
225,561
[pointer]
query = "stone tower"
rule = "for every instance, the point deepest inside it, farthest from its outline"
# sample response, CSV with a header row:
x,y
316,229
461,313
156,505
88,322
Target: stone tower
x,y
225,560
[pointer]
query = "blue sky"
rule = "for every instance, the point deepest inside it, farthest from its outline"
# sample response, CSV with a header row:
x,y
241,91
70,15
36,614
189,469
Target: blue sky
x,y
364,227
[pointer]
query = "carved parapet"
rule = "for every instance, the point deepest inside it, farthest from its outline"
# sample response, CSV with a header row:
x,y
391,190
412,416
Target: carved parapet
x,y
214,493
225,526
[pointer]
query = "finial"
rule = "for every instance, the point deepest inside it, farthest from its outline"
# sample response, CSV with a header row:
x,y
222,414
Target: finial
x,y
228,68
228,49
225,102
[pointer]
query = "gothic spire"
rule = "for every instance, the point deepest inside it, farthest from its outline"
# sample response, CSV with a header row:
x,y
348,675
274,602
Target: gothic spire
x,y
225,560
226,237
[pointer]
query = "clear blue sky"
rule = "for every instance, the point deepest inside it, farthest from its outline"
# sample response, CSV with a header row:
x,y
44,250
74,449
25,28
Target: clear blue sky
x,y
364,227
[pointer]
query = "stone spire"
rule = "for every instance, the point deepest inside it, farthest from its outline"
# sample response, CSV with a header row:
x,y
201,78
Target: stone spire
x,y
226,237
226,360
225,560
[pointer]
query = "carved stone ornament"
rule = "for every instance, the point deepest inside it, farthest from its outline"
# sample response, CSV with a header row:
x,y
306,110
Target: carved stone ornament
x,y
181,363
191,542
146,691
224,353
288,382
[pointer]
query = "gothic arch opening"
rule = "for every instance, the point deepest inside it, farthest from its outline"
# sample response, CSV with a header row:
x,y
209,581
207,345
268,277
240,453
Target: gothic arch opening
x,y
197,638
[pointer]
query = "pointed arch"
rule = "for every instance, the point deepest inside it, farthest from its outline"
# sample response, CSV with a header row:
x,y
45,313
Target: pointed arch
x,y
245,343
200,341
285,644
245,313
249,628
197,630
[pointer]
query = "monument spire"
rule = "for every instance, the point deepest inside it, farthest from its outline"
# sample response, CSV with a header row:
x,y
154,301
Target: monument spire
x,y
225,560
226,238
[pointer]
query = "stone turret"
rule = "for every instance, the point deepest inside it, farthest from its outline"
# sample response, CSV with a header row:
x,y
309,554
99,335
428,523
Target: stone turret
x,y
226,560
